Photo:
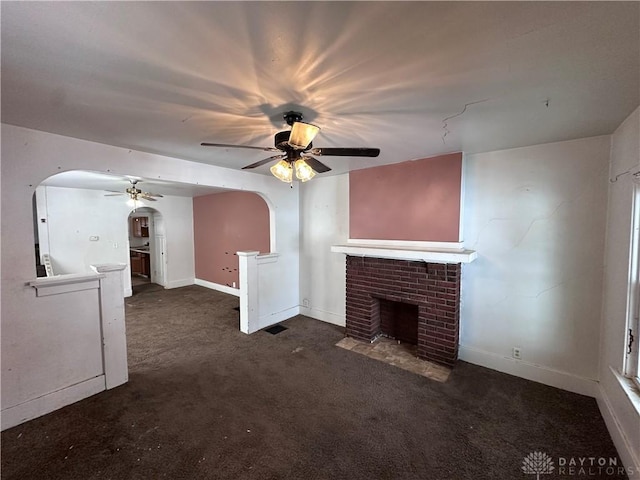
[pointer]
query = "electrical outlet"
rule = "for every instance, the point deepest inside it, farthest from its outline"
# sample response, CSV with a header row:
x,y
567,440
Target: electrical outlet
x,y
306,302
94,238
516,353
234,284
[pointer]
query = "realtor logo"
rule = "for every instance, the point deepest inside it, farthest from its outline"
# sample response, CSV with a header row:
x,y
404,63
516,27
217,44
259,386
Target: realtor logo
x,y
537,463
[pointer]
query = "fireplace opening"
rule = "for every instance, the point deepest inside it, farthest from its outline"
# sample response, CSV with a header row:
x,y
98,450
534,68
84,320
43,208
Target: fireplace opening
x,y
399,320
428,313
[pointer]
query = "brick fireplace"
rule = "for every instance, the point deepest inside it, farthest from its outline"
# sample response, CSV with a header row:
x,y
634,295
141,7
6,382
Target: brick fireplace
x,y
413,301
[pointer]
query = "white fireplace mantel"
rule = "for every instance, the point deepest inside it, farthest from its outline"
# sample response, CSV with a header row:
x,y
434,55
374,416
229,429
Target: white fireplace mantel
x,y
431,252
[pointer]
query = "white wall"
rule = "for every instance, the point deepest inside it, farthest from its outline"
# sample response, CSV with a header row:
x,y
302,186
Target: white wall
x,y
29,157
622,419
536,217
324,221
73,215
46,361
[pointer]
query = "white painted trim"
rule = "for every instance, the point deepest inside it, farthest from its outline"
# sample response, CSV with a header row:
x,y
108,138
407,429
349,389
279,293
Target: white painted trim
x,y
408,253
324,316
627,455
179,283
49,402
272,221
463,177
407,243
58,284
273,318
530,371
630,362
629,388
128,292
248,275
267,258
108,267
112,325
216,286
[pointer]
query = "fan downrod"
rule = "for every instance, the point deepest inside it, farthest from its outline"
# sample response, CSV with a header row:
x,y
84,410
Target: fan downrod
x,y
292,117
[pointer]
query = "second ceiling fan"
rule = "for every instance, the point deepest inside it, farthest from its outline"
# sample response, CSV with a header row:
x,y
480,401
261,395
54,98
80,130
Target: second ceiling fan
x,y
296,150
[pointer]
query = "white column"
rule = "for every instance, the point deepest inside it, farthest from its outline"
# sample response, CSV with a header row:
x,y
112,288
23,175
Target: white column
x,y
114,335
249,313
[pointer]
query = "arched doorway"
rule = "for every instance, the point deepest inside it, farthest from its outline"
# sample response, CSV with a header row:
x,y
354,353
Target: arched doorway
x,y
147,247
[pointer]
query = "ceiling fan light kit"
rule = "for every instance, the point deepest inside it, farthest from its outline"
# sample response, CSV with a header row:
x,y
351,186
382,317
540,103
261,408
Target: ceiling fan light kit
x,y
295,146
304,172
283,171
302,134
135,195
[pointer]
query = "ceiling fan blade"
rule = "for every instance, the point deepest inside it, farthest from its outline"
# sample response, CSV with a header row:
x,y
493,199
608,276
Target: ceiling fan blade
x,y
149,194
225,145
146,197
114,194
346,152
317,165
262,162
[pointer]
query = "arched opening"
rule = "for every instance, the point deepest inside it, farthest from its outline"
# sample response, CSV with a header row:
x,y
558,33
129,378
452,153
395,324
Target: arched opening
x,y
82,218
223,224
147,245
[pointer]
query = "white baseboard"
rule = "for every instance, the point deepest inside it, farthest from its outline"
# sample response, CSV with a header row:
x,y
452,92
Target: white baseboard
x,y
323,316
268,320
179,283
530,371
218,287
128,292
625,451
39,406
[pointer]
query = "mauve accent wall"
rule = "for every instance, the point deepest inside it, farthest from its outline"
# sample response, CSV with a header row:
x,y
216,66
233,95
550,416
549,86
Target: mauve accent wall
x,y
417,200
224,223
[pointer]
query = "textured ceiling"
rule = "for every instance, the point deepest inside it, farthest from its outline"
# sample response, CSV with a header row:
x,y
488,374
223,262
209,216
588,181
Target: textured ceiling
x,y
415,79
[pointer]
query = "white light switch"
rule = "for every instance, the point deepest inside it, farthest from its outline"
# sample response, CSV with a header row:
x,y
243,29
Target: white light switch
x,y
94,238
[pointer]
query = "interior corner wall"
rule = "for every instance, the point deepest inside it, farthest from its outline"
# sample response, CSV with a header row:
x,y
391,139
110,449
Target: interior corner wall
x,y
223,224
417,200
622,418
324,221
536,217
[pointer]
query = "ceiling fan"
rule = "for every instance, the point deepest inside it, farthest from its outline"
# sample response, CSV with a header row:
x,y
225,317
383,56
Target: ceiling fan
x,y
295,149
134,193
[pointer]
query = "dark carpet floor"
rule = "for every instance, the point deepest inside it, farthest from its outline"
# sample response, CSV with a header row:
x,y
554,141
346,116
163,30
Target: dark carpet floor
x,y
205,401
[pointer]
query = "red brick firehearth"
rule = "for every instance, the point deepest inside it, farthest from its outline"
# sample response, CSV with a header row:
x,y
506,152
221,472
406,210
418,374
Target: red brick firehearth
x,y
395,287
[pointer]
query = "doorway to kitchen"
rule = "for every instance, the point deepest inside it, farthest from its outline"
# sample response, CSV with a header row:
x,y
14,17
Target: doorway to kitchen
x,y
147,247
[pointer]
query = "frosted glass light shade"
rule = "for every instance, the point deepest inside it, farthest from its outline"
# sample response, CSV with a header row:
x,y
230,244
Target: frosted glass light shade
x,y
135,203
282,171
303,171
302,134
